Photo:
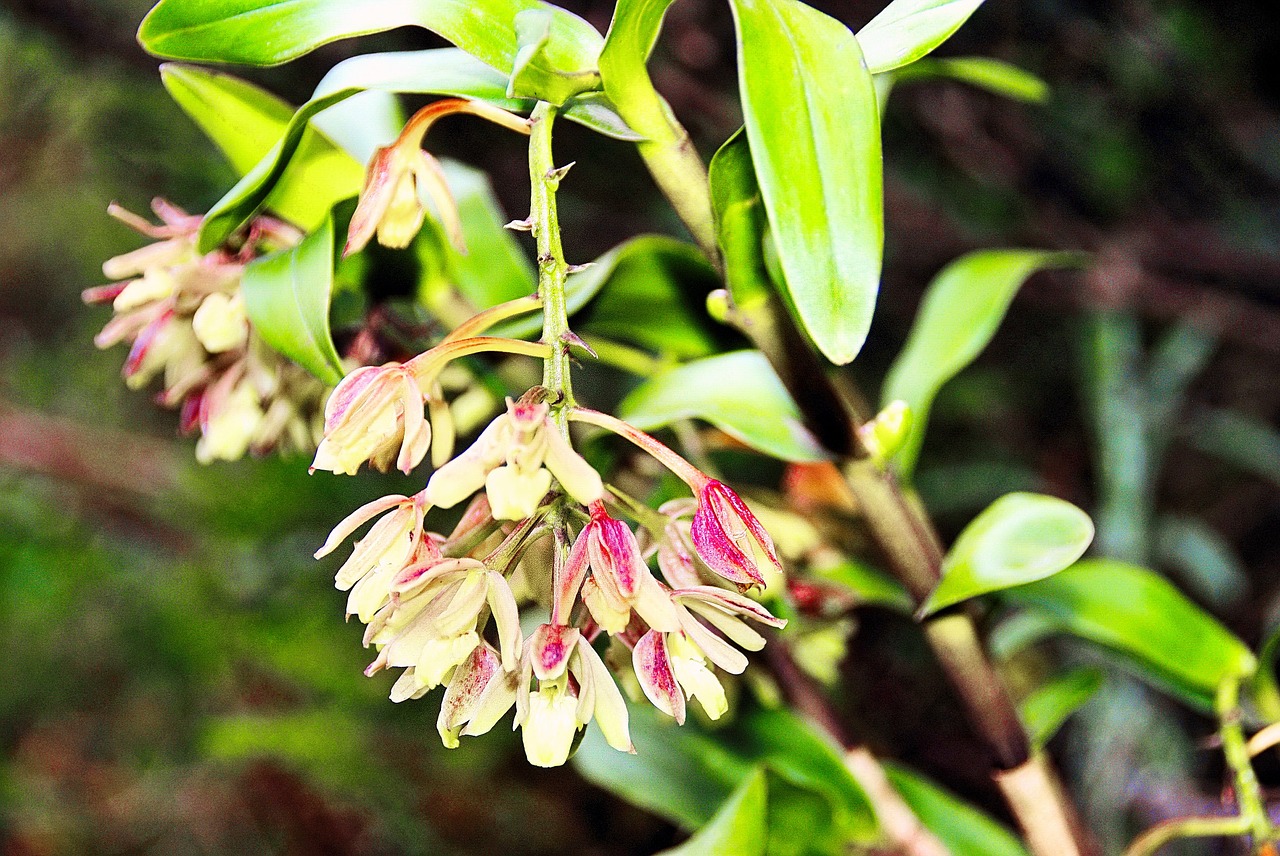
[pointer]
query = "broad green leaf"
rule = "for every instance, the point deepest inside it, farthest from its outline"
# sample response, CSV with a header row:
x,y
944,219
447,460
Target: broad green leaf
x,y
269,32
1046,709
993,75
814,128
495,268
678,772
738,826
807,759
1019,538
737,392
906,30
961,310
868,586
741,222
242,119
654,297
1140,615
963,829
246,122
287,294
445,72
685,773
646,291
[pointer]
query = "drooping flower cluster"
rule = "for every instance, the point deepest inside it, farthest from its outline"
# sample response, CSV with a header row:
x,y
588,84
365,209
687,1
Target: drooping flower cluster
x,y
443,608
183,315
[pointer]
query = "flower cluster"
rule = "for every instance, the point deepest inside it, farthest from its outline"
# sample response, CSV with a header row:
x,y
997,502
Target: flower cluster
x,y
445,611
183,315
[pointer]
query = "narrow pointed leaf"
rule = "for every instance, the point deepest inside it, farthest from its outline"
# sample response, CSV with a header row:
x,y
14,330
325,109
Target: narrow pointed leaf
x,y
983,72
287,297
814,127
962,829
738,825
646,291
269,32
495,268
1144,618
962,309
1045,710
243,120
737,392
443,72
741,223
1019,538
906,30
247,122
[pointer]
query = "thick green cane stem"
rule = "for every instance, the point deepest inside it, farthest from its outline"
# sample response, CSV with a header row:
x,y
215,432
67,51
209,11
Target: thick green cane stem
x,y
552,268
902,528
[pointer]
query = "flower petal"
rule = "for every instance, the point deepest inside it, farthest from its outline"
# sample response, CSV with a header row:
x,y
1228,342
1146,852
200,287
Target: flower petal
x,y
717,650
356,519
652,663
578,478
610,709
506,615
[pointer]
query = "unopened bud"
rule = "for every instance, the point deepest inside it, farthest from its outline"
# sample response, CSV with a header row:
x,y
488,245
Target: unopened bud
x,y
220,323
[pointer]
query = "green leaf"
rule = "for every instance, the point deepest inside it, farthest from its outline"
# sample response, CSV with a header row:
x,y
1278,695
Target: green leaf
x,y
269,32
1046,709
810,760
651,287
678,772
1264,692
961,310
1203,560
1247,442
494,269
1141,616
243,120
653,296
906,30
246,122
741,223
685,774
738,826
445,72
287,295
993,75
812,121
963,829
867,585
737,392
1019,538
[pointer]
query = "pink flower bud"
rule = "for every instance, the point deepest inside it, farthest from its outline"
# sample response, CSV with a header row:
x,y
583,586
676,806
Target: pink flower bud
x,y
729,538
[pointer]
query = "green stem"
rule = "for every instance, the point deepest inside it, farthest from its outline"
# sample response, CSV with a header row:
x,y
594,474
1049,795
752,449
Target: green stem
x,y
552,268
898,523
1150,842
1248,793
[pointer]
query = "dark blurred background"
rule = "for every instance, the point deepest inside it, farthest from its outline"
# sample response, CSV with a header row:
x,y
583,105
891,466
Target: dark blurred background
x,y
175,676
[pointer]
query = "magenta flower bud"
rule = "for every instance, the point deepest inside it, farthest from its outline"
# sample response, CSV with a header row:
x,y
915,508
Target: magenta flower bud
x,y
552,645
729,538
